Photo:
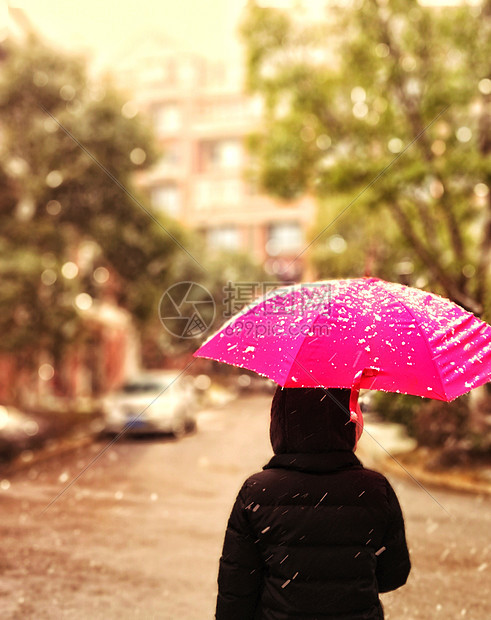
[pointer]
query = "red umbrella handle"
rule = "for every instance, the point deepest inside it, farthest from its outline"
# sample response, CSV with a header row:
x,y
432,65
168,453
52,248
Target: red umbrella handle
x,y
356,414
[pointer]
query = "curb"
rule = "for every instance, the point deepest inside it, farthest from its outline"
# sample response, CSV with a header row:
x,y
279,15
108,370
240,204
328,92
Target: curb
x,y
62,446
457,481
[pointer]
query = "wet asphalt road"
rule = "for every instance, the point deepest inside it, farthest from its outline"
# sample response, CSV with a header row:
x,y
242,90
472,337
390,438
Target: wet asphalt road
x,y
139,534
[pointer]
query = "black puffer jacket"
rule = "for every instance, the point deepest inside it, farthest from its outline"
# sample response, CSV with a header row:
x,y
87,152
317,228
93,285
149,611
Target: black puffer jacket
x,y
314,535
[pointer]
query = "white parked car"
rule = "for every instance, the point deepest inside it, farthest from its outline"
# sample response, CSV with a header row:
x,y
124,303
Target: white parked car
x,y
152,402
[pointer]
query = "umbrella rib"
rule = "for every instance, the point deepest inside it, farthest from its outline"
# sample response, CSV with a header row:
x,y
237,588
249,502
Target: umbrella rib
x,y
343,408
302,342
423,335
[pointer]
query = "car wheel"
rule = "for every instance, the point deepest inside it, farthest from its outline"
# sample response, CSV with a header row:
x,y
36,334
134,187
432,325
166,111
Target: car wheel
x,y
190,425
180,429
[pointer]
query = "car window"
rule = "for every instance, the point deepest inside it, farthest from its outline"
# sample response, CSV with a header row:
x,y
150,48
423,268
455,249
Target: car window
x,y
131,388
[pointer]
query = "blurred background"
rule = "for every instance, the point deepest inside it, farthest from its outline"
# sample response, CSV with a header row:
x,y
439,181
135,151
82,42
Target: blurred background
x,y
234,145
251,142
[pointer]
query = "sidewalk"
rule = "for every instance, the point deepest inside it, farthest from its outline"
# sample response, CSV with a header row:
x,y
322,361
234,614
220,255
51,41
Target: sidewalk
x,y
44,438
386,446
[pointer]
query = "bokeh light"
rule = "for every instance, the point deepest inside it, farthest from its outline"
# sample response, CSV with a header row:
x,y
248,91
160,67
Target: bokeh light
x,y
69,270
129,109
395,145
464,134
53,207
54,179
101,275
46,372
48,277
138,156
83,301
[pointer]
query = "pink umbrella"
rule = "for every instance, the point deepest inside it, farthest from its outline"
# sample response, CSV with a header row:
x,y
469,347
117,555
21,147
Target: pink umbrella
x,y
358,333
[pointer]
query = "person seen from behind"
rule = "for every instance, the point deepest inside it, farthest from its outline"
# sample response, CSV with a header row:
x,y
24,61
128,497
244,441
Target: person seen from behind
x,y
314,535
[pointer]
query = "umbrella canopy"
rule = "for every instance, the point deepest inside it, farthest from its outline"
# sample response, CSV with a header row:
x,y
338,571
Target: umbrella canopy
x,y
354,333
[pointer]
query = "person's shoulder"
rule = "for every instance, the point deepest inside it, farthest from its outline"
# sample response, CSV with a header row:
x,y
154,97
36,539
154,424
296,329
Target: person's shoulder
x,y
257,484
372,473
374,478
257,478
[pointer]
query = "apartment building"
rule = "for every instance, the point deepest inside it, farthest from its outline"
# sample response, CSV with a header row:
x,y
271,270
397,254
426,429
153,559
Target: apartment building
x,y
202,119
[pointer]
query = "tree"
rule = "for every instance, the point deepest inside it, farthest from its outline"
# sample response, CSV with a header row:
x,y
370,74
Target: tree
x,y
387,105
68,153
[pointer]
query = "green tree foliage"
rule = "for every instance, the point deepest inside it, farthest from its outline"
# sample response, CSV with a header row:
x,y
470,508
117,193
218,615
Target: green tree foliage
x,y
344,97
65,167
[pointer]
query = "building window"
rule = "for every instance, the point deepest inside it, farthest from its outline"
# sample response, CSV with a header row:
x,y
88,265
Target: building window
x,y
167,198
168,118
203,194
284,238
231,192
218,193
171,157
224,237
187,73
152,73
222,111
221,155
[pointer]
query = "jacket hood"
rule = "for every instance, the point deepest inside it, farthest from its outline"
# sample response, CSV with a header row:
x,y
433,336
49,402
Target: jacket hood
x,y
321,463
311,420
